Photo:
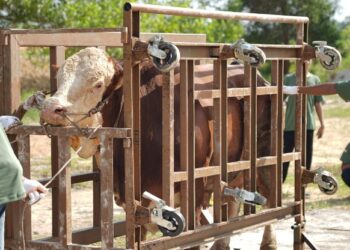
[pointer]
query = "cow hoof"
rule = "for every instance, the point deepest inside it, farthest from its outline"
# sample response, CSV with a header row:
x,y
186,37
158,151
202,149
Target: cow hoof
x,y
177,222
171,59
222,244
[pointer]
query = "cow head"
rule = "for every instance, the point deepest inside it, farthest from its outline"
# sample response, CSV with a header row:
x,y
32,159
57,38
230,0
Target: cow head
x,y
82,81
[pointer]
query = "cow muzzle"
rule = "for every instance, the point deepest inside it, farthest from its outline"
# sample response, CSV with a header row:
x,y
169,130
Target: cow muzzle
x,y
53,112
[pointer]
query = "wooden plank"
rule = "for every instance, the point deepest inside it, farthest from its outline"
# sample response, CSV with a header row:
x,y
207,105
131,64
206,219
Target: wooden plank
x,y
168,137
57,54
106,186
64,189
184,146
191,148
11,77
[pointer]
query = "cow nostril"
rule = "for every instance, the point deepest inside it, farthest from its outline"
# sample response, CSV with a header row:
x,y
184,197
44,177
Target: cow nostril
x,y
60,110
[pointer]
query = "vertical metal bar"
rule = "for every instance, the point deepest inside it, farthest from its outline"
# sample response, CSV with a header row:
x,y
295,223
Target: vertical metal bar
x,y
191,147
274,136
280,131
217,139
168,137
64,187
24,159
57,58
224,149
247,131
129,151
184,131
106,182
11,73
96,196
298,241
2,64
253,131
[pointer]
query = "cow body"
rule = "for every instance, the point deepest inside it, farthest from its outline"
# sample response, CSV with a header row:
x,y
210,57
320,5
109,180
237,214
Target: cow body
x,y
97,80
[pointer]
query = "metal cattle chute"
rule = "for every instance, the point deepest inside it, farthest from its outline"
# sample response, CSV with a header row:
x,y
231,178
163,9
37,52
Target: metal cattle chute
x,y
167,51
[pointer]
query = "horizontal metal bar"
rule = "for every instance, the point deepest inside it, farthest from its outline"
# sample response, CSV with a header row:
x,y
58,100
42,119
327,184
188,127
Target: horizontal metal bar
x,y
234,92
90,37
219,230
69,131
77,178
261,162
180,176
55,245
177,11
207,171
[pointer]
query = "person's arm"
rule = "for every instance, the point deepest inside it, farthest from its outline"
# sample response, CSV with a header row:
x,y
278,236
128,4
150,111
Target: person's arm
x,y
322,89
319,113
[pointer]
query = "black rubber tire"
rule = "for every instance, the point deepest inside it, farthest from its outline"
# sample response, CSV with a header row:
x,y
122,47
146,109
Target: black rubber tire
x,y
259,56
172,57
336,58
176,219
334,185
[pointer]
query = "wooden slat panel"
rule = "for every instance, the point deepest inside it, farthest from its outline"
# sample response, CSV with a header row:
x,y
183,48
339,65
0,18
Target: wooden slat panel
x,y
106,185
184,146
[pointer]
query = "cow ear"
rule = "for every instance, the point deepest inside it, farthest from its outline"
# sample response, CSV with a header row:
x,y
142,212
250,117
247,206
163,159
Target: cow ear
x,y
116,81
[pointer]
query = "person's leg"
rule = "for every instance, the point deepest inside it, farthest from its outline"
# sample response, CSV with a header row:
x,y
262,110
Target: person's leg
x,y
309,148
2,227
288,146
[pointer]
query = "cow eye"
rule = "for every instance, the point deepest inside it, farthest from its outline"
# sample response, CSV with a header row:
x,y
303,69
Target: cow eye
x,y
98,85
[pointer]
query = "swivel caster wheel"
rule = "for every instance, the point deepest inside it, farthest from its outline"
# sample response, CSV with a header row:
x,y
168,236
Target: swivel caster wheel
x,y
329,57
165,56
331,183
176,223
249,53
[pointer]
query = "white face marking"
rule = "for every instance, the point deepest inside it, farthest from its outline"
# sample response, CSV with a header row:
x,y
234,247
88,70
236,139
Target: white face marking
x,y
82,80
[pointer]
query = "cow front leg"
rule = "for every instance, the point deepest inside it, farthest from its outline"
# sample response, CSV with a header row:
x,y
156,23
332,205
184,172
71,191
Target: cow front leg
x,y
224,243
269,241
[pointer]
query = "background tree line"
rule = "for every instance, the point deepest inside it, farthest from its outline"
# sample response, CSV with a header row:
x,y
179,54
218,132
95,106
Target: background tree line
x,y
108,13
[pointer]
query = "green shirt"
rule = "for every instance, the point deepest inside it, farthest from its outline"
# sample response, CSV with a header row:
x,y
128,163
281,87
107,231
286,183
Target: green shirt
x,y
11,185
290,80
343,90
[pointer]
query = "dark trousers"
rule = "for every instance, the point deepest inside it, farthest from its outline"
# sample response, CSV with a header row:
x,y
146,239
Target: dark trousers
x,y
288,140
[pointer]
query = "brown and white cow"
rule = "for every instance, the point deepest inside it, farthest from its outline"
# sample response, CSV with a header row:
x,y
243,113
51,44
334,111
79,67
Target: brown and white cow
x,y
90,74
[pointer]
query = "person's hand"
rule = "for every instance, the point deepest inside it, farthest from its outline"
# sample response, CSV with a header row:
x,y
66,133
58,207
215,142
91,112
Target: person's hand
x,y
34,101
290,90
34,190
9,121
320,132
